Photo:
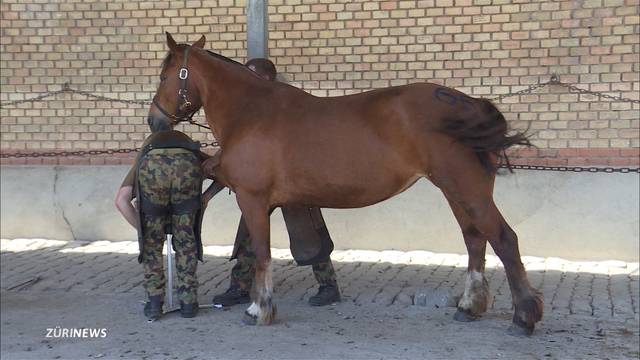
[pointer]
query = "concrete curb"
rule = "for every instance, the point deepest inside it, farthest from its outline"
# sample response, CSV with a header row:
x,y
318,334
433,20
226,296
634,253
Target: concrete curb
x,y
568,215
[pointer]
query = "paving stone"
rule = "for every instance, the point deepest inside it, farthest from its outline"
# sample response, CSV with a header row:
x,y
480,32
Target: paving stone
x,y
403,299
387,295
432,298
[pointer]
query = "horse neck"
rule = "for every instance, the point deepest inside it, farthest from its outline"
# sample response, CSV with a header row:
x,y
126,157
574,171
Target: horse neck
x,y
223,86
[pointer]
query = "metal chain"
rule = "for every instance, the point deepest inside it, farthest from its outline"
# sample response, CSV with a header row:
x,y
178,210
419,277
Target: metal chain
x,y
67,88
84,152
590,169
105,98
599,94
555,80
528,90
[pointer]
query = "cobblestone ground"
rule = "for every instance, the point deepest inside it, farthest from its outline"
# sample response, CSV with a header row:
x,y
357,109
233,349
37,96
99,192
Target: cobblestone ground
x,y
597,301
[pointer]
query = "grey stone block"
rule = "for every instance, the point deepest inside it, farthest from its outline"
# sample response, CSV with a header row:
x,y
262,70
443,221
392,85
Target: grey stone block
x,y
433,298
403,299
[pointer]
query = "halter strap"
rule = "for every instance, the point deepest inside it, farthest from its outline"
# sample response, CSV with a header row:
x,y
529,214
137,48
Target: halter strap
x,y
183,100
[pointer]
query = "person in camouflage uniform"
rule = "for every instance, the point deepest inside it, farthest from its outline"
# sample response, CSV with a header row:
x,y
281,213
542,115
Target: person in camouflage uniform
x,y
243,271
167,182
170,176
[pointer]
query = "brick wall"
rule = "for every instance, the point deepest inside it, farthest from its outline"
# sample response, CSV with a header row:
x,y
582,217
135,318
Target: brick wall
x,y
331,47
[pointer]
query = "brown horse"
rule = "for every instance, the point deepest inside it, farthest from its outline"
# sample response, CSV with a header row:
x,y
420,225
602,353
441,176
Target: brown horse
x,y
283,146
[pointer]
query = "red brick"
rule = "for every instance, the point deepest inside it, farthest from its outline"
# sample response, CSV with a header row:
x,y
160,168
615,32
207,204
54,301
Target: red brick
x,y
568,152
598,152
633,152
556,162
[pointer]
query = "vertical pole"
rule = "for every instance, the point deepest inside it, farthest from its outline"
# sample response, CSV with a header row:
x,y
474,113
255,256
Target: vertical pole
x,y
169,273
257,29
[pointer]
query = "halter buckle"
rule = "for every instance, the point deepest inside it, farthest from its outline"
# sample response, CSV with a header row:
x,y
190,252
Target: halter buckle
x,y
183,74
185,105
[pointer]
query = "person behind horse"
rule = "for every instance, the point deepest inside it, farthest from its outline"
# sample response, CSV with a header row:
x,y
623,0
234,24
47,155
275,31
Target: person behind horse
x,y
167,181
243,272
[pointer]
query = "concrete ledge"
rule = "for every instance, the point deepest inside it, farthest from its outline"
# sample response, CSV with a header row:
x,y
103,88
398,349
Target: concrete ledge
x,y
568,215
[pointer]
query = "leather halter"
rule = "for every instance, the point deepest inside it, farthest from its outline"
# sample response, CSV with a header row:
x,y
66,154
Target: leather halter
x,y
183,101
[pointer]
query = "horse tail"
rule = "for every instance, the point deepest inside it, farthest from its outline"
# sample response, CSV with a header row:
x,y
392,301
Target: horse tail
x,y
486,132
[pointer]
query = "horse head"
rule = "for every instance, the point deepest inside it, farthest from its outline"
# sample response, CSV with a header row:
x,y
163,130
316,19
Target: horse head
x,y
176,98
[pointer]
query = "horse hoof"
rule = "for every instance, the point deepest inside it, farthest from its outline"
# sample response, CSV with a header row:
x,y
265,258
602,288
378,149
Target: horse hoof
x,y
268,315
463,316
520,330
527,313
249,319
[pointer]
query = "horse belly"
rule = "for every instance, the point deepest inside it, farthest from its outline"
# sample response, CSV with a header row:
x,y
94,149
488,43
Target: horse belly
x,y
344,184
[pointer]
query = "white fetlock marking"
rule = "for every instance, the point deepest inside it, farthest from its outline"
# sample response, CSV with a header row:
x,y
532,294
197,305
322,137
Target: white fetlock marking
x,y
466,302
254,309
265,294
268,280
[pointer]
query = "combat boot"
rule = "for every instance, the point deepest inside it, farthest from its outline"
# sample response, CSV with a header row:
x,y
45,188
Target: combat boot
x,y
189,310
153,307
327,294
234,295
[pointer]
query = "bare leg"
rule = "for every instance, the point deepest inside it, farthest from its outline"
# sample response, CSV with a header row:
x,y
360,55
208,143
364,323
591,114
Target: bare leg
x,y
256,213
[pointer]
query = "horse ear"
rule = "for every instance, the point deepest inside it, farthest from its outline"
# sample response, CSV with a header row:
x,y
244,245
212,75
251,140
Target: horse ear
x,y
200,42
173,47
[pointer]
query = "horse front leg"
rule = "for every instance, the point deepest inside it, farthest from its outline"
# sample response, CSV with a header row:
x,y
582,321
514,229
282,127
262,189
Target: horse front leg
x,y
255,211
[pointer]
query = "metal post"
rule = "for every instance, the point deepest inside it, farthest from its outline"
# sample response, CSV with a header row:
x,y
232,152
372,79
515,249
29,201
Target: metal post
x,y
257,29
169,273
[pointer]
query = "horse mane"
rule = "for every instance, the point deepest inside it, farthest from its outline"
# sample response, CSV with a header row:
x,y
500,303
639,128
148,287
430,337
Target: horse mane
x,y
169,56
224,58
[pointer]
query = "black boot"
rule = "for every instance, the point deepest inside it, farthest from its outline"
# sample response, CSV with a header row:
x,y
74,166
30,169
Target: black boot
x,y
153,307
189,310
233,295
327,294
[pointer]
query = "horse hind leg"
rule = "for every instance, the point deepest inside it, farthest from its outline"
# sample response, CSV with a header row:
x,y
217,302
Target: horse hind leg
x,y
262,310
529,304
476,297
473,193
527,300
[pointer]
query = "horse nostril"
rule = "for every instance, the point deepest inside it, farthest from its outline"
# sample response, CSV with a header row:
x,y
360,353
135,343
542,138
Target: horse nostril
x,y
149,120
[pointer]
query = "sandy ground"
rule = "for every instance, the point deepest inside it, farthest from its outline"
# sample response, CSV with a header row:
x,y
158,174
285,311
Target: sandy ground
x,y
341,331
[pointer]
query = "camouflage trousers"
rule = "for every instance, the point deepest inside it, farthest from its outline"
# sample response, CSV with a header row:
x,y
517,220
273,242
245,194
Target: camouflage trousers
x,y
166,180
243,271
